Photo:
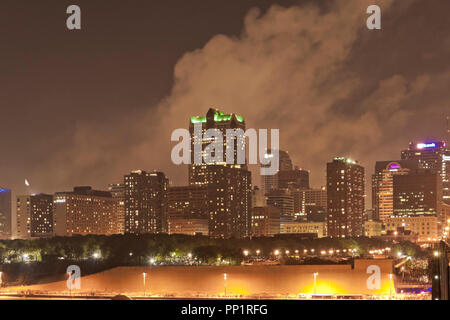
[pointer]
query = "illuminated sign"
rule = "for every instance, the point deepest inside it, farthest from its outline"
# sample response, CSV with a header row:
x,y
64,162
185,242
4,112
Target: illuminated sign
x,y
4,190
394,166
60,200
426,145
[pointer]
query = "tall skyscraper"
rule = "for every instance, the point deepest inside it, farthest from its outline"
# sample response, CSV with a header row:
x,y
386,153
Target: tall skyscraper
x,y
432,155
146,202
34,216
383,185
229,184
304,198
345,196
85,211
118,192
5,214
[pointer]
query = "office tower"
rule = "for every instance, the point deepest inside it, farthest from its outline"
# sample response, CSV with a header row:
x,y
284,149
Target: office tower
x,y
118,192
345,196
146,202
432,155
34,216
188,210
229,184
293,179
418,193
283,200
373,228
383,187
265,221
5,214
309,198
85,211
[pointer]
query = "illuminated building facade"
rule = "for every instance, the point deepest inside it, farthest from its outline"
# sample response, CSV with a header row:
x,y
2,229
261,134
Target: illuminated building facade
x,y
425,227
383,185
5,214
271,182
300,227
23,218
188,226
85,211
373,228
188,210
146,202
432,155
34,216
118,192
309,198
345,197
229,185
418,193
265,221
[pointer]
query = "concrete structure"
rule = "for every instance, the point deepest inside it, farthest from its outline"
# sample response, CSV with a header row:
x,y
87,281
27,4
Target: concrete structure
x,y
85,211
248,281
345,196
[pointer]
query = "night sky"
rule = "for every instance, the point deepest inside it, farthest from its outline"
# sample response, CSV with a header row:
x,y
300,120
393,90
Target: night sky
x,y
85,107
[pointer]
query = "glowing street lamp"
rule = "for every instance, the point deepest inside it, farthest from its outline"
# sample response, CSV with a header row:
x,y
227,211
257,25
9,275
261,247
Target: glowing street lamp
x,y
277,252
245,253
258,252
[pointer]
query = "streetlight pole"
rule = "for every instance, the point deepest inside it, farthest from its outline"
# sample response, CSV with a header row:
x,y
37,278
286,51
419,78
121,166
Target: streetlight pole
x,y
145,275
315,282
225,283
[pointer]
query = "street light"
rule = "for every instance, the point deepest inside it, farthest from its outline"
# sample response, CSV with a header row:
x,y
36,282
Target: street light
x,y
315,282
246,253
225,283
144,274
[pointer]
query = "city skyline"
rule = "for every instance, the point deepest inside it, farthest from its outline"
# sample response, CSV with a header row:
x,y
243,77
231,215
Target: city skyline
x,y
122,124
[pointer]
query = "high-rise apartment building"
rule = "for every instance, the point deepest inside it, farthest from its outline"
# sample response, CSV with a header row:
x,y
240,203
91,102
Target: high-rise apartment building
x,y
383,185
146,202
345,197
118,192
34,216
229,185
5,214
304,198
85,211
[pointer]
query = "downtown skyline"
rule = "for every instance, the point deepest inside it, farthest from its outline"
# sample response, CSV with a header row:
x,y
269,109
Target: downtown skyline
x,y
97,134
